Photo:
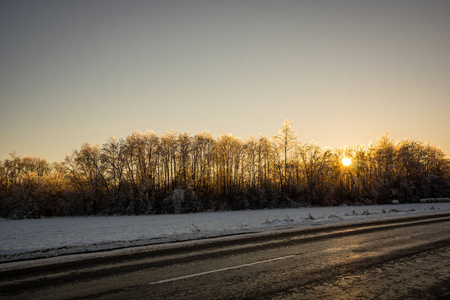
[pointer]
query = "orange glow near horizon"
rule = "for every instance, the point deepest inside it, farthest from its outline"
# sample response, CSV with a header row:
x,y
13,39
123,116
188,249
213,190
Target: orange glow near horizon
x,y
75,71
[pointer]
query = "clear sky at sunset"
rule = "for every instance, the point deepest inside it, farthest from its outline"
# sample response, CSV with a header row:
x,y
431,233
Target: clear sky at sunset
x,y
343,71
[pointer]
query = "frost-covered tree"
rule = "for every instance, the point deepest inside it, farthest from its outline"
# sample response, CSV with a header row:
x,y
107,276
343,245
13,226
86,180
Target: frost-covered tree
x,y
285,142
147,173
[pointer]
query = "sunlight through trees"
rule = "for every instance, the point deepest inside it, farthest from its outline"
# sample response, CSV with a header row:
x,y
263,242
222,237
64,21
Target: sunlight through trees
x,y
146,173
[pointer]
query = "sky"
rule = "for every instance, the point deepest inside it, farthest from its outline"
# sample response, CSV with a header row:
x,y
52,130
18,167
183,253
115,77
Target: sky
x,y
344,71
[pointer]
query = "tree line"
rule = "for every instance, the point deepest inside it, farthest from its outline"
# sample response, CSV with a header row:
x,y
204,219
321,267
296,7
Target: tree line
x,y
146,173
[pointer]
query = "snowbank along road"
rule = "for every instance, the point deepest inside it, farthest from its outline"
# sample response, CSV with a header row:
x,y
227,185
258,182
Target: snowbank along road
x,y
397,258
47,237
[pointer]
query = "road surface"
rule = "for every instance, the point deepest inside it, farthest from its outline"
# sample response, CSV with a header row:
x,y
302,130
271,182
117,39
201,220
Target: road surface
x,y
403,259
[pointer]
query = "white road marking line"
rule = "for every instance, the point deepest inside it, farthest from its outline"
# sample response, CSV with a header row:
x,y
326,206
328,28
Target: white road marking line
x,y
220,270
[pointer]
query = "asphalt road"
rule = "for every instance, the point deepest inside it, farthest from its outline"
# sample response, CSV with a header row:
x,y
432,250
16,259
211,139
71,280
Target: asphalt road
x,y
398,259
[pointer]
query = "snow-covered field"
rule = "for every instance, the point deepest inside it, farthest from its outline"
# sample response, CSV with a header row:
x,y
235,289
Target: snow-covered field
x,y
25,239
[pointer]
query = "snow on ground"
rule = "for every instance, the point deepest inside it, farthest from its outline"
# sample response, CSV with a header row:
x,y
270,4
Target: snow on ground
x,y
48,237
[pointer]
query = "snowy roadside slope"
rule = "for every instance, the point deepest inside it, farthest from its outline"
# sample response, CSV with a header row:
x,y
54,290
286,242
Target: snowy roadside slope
x,y
28,239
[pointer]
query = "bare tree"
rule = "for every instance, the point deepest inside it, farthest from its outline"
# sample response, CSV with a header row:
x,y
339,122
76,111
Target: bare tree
x,y
285,142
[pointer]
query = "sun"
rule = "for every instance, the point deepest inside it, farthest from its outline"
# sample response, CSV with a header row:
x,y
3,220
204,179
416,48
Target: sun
x,y
346,161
